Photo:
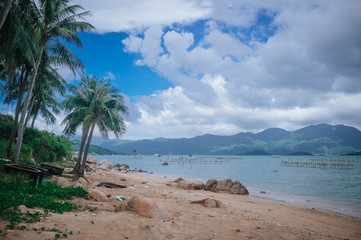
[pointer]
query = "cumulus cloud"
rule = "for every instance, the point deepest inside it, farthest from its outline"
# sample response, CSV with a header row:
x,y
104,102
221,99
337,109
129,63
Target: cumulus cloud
x,y
128,15
239,65
304,73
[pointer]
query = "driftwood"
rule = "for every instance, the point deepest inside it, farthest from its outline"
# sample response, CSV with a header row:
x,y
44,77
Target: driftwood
x,y
111,185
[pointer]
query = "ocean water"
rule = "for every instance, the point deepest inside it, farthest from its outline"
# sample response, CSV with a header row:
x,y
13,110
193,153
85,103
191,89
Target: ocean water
x,y
327,188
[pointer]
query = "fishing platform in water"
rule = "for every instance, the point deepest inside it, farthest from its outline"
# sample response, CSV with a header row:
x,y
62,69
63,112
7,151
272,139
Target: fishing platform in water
x,y
197,160
321,163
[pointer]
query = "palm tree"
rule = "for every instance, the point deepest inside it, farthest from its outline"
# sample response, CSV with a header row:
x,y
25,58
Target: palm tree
x,y
4,11
44,100
94,103
57,21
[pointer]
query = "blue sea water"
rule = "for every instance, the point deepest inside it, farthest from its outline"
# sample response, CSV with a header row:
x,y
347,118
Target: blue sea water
x,y
332,189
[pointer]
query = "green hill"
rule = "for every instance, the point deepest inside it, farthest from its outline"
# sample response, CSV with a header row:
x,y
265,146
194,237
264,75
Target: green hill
x,y
93,149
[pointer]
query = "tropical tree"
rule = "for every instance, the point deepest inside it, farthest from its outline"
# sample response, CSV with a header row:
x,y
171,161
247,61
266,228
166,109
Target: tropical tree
x,y
4,11
57,21
94,102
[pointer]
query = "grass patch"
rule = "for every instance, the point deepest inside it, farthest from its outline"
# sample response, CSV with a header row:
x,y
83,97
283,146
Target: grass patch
x,y
15,191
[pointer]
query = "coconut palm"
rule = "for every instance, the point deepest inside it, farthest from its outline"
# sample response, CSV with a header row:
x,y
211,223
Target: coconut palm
x,y
44,100
94,103
57,21
4,11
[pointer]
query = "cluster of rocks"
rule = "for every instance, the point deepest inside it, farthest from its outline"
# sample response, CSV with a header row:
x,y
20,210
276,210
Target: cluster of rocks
x,y
225,185
106,165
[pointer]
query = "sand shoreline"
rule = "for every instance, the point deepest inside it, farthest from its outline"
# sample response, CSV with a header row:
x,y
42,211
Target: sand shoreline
x,y
240,217
274,197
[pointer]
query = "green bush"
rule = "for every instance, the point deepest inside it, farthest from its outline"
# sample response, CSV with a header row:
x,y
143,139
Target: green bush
x,y
43,146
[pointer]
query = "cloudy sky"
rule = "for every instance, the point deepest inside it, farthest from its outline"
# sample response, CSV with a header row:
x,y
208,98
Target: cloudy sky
x,y
191,67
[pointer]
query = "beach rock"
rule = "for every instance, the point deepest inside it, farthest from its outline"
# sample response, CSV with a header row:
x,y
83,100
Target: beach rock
x,y
105,165
25,209
121,167
209,202
91,160
238,188
98,195
60,181
210,183
179,180
144,207
81,182
212,203
222,186
190,185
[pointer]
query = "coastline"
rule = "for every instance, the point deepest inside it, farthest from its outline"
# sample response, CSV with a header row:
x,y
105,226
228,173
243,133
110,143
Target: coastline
x,y
239,217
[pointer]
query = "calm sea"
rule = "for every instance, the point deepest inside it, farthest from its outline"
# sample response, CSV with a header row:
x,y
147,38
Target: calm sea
x,y
323,185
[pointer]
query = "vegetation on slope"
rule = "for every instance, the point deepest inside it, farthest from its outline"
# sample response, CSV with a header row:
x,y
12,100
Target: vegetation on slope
x,y
43,146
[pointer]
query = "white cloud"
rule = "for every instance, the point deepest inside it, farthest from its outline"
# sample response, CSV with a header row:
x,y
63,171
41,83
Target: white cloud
x,y
254,64
128,15
303,74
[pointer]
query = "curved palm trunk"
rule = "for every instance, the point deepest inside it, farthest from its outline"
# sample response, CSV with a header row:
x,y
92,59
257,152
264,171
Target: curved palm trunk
x,y
4,11
35,116
80,154
81,172
17,112
21,128
30,110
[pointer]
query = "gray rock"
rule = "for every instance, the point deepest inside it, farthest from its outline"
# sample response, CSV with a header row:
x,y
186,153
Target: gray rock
x,y
238,188
222,186
105,165
210,183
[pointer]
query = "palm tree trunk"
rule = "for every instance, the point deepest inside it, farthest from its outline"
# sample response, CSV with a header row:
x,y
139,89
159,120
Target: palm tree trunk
x,y
81,172
4,12
33,122
21,128
80,154
22,83
30,110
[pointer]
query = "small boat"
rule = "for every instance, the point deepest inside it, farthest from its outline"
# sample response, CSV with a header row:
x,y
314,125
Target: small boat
x,y
157,155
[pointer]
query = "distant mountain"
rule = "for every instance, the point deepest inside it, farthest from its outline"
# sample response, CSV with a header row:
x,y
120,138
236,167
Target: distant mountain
x,y
319,139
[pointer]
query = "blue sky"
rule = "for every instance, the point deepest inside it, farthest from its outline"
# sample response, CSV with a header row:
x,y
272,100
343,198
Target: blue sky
x,y
191,67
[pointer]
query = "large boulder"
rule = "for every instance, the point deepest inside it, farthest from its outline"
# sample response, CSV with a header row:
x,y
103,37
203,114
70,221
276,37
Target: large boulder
x,y
195,185
105,165
98,195
210,183
238,188
60,181
222,186
144,207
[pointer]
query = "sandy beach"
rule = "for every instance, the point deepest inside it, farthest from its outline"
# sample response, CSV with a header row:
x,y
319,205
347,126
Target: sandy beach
x,y
238,217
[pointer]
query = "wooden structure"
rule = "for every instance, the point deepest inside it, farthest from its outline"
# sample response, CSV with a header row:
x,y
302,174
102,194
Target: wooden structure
x,y
321,163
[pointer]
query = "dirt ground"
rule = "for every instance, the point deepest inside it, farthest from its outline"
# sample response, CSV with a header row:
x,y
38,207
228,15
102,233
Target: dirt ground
x,y
239,217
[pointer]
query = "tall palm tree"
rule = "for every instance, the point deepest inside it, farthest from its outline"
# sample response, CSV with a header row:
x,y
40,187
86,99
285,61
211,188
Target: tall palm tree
x,y
94,103
57,21
44,100
4,11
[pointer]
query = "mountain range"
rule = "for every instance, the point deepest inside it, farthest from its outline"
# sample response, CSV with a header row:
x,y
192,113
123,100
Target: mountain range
x,y
321,139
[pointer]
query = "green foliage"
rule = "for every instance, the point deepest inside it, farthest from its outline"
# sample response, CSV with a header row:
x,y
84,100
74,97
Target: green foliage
x,y
43,146
15,192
